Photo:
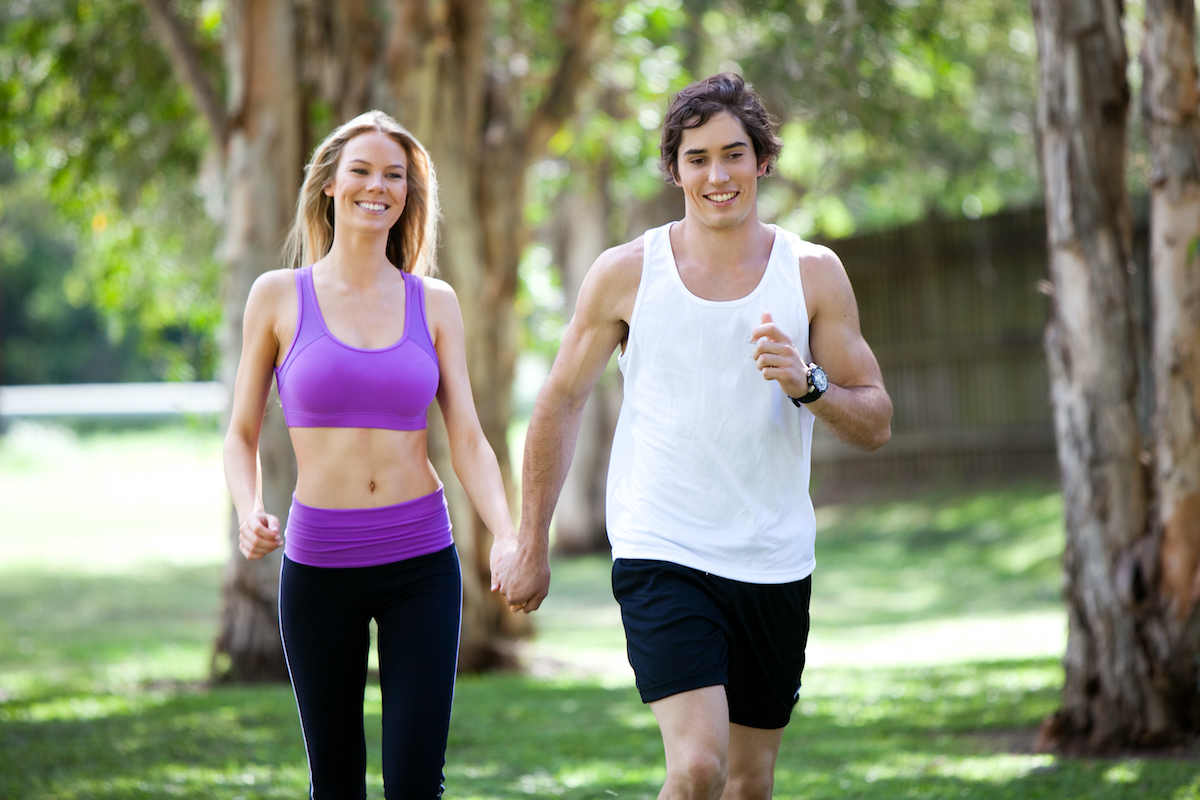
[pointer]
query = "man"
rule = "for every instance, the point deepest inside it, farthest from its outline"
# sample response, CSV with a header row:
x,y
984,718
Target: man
x,y
722,322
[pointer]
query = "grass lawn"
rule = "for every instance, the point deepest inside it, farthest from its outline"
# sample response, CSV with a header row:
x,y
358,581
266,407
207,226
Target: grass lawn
x,y
934,653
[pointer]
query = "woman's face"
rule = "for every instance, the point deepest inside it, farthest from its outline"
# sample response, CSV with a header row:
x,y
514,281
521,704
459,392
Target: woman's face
x,y
370,185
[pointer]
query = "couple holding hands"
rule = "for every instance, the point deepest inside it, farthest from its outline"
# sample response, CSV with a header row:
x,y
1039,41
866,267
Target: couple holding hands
x,y
721,322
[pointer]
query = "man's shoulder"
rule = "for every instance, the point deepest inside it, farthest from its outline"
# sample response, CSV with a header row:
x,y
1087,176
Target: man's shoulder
x,y
808,254
625,256
621,264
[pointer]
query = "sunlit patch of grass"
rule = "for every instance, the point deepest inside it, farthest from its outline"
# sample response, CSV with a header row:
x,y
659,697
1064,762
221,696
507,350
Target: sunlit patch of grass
x,y
109,501
947,555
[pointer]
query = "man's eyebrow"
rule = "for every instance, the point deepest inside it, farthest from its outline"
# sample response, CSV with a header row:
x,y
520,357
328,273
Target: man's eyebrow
x,y
699,151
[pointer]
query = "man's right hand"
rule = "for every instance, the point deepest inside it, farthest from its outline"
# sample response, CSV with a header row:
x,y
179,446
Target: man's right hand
x,y
521,576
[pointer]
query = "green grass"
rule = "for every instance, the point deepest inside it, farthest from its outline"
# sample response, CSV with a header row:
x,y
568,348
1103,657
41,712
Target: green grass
x,y
934,654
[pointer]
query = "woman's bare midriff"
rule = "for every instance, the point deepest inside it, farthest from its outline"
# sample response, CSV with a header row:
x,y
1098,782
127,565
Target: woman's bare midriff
x,y
361,467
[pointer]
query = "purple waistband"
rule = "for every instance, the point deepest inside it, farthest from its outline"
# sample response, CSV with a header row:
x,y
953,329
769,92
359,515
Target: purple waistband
x,y
367,537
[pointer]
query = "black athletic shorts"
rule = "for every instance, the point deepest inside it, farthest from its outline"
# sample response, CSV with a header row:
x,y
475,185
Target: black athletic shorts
x,y
686,629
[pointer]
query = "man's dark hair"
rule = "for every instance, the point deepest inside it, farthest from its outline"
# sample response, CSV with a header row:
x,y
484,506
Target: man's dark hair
x,y
699,102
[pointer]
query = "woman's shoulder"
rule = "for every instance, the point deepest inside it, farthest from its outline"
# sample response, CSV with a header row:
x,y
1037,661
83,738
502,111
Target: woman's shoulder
x,y
273,289
438,293
275,281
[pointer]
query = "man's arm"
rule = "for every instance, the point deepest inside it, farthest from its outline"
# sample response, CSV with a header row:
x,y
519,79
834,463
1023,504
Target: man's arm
x,y
521,572
855,407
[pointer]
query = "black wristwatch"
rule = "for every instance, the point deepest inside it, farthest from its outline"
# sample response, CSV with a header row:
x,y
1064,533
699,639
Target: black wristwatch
x,y
818,382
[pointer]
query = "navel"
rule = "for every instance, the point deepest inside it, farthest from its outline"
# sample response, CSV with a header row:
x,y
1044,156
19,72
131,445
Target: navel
x,y
372,487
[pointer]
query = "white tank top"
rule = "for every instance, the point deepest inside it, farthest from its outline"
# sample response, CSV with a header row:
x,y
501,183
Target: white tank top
x,y
710,463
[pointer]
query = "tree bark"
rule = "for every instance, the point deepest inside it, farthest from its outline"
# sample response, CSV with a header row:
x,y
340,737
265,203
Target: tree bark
x,y
1083,97
1132,533
580,233
263,168
1171,110
259,146
467,110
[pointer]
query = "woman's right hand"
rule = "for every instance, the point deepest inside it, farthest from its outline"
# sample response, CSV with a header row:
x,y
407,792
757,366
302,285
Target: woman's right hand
x,y
258,535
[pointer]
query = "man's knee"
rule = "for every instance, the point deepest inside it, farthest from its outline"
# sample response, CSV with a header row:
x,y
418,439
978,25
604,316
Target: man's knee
x,y
757,786
700,774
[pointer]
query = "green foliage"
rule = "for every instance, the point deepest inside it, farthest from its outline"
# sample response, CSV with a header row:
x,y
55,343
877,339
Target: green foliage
x,y
85,107
893,109
44,338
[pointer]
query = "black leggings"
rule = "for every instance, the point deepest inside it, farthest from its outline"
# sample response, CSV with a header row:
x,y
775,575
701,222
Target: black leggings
x,y
324,616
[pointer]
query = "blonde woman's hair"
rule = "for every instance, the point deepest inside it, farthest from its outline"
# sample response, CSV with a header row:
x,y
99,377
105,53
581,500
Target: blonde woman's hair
x,y
412,241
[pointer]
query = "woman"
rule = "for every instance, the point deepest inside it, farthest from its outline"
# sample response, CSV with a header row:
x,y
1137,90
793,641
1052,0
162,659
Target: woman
x,y
361,340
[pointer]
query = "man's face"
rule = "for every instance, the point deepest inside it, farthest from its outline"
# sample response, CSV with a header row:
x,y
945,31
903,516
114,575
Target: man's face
x,y
718,172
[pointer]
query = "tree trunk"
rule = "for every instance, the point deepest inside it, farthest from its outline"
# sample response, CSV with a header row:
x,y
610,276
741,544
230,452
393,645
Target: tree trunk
x,y
580,233
436,63
1170,106
264,157
467,111
1083,97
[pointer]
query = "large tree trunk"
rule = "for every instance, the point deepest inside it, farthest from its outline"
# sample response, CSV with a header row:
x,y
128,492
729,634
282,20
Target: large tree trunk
x,y
1083,97
264,157
436,66
580,233
1170,105
1131,574
467,111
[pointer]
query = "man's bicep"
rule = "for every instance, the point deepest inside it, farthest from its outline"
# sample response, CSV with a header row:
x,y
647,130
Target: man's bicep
x,y
600,322
587,346
836,339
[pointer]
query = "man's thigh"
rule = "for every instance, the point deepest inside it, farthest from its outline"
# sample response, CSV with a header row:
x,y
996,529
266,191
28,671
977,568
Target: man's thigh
x,y
752,756
676,633
769,626
687,629
694,724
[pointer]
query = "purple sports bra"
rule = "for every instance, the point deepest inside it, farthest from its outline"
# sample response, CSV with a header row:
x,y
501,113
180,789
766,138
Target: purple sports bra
x,y
324,383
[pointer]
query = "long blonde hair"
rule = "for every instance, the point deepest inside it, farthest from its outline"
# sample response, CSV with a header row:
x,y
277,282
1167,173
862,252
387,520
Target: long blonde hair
x,y
412,241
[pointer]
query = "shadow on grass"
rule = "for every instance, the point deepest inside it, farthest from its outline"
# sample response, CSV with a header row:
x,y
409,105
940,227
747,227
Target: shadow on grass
x,y
95,632
940,555
943,732
226,744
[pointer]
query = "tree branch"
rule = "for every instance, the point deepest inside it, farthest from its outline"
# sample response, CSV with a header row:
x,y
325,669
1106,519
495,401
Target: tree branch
x,y
186,60
578,31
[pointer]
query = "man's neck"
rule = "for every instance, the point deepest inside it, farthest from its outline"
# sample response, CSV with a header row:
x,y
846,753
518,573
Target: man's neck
x,y
721,263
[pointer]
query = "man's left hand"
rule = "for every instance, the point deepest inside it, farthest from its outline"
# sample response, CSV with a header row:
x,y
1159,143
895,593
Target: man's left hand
x,y
778,359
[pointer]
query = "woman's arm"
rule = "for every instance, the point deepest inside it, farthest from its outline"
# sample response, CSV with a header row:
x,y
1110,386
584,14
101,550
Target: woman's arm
x,y
471,454
258,530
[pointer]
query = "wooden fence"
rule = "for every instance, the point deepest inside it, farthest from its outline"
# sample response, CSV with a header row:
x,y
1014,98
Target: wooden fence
x,y
955,311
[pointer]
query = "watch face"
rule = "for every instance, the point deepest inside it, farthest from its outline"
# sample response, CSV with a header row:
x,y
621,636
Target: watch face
x,y
818,378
